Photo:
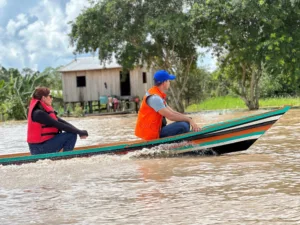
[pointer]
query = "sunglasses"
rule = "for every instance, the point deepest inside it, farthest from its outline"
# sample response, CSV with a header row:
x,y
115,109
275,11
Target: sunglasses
x,y
49,96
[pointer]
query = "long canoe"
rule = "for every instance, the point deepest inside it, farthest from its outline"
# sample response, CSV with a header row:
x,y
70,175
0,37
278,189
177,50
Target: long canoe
x,y
215,139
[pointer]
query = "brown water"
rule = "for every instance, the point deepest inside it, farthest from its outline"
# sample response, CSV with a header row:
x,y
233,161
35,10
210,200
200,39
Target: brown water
x,y
257,186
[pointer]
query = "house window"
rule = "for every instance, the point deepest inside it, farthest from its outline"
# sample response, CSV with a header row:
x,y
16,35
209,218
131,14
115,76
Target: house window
x,y
144,78
81,81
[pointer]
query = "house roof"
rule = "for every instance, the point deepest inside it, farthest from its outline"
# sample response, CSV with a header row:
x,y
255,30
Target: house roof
x,y
88,63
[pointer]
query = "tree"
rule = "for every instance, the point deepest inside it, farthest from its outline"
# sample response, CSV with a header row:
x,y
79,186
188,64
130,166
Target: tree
x,y
16,92
251,37
3,74
16,88
198,87
2,88
281,85
52,78
219,84
157,33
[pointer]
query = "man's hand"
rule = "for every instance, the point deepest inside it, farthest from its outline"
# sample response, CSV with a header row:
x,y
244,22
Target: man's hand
x,y
195,127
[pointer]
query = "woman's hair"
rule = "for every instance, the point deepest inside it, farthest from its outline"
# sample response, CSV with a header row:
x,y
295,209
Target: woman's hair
x,y
39,92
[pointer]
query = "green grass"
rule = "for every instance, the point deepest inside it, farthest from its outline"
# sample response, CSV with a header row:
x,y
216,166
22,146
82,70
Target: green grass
x,y
229,102
269,102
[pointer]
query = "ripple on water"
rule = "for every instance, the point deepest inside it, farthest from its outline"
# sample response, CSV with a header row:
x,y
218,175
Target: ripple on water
x,y
258,186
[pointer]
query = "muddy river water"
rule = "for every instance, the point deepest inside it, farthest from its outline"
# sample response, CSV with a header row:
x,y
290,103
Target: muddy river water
x,y
257,186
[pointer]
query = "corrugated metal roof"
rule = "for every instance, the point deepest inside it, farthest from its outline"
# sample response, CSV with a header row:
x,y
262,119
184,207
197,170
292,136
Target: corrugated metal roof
x,y
88,63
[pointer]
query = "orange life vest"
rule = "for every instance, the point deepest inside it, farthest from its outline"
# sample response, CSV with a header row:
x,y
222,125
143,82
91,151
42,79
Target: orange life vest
x,y
37,132
149,122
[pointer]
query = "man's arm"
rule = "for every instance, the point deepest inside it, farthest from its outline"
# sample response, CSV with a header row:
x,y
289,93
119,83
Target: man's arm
x,y
176,116
157,104
173,110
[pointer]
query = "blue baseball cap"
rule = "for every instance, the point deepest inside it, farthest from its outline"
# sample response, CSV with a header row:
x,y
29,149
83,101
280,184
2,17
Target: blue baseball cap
x,y
161,75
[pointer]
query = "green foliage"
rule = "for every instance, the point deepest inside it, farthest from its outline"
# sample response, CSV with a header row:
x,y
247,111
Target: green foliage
x,y
16,89
52,79
250,38
230,102
199,86
78,111
280,101
2,90
224,102
60,111
3,74
219,84
22,89
281,85
15,110
135,31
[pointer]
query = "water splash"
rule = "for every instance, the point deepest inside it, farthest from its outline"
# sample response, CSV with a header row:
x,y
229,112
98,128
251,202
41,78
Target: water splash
x,y
184,148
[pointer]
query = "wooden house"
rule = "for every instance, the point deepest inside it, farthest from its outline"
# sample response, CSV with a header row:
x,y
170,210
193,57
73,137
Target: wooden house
x,y
86,80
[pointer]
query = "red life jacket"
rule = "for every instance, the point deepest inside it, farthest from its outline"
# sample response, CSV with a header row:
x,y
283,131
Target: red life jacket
x,y
37,132
149,121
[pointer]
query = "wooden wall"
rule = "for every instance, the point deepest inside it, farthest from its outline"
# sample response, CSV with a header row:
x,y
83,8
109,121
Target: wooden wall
x,y
95,87
138,88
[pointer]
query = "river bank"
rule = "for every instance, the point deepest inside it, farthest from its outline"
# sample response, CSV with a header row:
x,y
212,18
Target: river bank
x,y
235,103
225,104
221,111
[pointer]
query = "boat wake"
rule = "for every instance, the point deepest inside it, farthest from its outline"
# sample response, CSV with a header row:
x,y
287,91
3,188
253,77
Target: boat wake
x,y
172,150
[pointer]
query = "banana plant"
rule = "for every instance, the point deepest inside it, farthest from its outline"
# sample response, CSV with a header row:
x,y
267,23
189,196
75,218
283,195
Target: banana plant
x,y
23,88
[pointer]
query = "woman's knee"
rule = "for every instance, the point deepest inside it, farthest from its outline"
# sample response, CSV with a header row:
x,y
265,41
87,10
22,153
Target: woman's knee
x,y
70,139
70,142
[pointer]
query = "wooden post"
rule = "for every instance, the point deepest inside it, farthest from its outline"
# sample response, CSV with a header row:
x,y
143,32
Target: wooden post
x,y
65,107
90,107
99,106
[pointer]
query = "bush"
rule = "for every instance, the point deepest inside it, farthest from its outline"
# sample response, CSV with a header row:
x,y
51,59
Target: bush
x,y
78,111
15,110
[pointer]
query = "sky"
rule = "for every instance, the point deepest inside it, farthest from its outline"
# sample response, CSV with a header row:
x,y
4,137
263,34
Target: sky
x,y
34,33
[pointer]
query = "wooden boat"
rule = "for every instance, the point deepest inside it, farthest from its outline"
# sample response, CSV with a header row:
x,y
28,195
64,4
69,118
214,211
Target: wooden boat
x,y
216,139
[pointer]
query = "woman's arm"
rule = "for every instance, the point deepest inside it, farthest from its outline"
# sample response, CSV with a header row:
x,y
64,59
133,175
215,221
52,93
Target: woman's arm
x,y
65,122
44,118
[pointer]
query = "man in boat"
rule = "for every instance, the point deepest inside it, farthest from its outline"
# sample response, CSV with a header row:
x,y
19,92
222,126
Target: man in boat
x,y
151,122
44,133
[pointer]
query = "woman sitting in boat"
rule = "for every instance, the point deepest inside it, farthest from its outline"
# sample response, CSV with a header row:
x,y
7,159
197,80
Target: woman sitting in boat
x,y
44,134
151,122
